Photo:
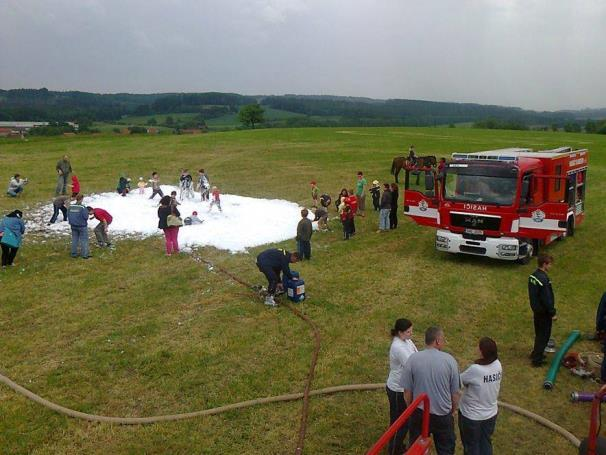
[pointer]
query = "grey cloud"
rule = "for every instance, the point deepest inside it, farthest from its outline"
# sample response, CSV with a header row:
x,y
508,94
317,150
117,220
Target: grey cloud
x,y
536,53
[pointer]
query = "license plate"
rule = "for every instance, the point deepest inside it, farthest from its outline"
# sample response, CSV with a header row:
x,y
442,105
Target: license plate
x,y
474,231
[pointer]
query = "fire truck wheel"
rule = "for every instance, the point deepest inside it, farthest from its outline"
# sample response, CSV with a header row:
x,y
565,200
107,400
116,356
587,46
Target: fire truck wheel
x,y
530,252
525,260
570,226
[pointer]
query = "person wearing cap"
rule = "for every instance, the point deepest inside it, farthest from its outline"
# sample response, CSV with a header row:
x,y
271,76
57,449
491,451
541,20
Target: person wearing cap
x,y
375,192
12,229
314,194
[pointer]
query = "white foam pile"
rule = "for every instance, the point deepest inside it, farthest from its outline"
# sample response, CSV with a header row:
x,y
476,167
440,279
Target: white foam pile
x,y
244,222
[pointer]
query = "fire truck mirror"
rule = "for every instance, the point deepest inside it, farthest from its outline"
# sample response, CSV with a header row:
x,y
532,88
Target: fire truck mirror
x,y
525,192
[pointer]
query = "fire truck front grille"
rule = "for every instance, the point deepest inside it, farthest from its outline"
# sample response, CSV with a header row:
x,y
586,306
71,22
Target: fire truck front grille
x,y
473,221
472,249
474,237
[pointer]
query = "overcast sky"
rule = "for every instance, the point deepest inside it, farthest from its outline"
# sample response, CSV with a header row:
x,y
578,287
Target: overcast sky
x,y
544,54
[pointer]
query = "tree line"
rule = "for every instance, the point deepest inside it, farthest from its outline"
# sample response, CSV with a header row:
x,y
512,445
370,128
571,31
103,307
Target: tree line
x,y
84,108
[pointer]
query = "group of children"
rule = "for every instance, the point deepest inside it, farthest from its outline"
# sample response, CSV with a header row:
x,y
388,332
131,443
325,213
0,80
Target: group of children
x,y
186,187
348,205
62,203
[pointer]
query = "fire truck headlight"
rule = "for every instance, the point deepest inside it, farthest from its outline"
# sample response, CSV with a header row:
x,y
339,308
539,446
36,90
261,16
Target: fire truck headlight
x,y
441,239
508,247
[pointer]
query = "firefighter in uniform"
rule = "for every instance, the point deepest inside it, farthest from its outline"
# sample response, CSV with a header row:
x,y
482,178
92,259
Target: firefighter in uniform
x,y
542,304
272,263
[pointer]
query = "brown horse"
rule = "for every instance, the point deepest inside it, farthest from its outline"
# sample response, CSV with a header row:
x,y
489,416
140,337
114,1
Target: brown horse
x,y
402,162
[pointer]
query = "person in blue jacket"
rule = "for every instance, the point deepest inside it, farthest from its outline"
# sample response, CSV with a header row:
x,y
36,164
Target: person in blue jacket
x,y
272,263
77,215
11,241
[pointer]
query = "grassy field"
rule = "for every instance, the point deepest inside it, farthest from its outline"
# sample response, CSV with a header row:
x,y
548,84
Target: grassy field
x,y
134,333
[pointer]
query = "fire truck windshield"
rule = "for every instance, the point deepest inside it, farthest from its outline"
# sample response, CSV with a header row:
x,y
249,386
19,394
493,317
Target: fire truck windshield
x,y
488,189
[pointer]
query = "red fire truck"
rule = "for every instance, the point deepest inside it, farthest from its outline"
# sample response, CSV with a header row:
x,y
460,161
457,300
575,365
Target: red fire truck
x,y
503,204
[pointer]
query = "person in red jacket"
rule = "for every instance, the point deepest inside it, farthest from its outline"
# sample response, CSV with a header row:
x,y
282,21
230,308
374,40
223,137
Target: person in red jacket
x,y
352,202
346,220
105,219
75,186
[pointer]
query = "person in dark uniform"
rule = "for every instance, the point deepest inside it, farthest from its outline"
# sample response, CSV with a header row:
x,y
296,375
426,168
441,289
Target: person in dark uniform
x,y
542,304
272,263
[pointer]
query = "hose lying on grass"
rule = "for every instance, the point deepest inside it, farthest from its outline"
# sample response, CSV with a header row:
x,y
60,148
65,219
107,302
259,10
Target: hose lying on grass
x,y
557,359
245,404
583,397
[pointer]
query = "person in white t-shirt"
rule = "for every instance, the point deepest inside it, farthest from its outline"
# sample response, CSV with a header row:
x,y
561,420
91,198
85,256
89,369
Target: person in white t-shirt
x,y
401,348
478,407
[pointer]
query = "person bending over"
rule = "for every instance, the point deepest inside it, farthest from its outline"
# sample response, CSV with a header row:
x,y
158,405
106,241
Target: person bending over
x,y
272,263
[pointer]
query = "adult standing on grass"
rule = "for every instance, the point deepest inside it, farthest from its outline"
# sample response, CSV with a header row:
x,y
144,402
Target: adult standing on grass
x,y
272,263
12,229
360,194
385,208
304,233
64,169
542,303
77,215
478,407
435,373
401,349
393,212
105,219
171,231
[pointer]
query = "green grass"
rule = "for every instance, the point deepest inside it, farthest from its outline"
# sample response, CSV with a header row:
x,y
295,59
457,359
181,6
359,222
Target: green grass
x,y
134,333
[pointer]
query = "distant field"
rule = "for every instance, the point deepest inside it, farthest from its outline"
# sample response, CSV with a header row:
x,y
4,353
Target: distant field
x,y
229,121
133,333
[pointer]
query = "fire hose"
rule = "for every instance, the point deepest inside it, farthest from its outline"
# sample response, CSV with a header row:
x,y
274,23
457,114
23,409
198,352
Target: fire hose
x,y
245,404
314,356
557,359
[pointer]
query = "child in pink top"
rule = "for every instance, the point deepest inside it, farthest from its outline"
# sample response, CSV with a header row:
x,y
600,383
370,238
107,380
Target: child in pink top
x,y
215,199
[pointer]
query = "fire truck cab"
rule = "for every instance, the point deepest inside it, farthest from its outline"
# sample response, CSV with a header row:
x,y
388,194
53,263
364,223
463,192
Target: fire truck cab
x,y
503,204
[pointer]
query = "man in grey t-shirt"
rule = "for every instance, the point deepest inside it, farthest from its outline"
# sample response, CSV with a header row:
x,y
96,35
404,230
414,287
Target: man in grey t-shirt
x,y
435,373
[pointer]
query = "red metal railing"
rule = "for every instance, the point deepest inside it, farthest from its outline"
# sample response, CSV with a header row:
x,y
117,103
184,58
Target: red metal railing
x,y
422,443
594,423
